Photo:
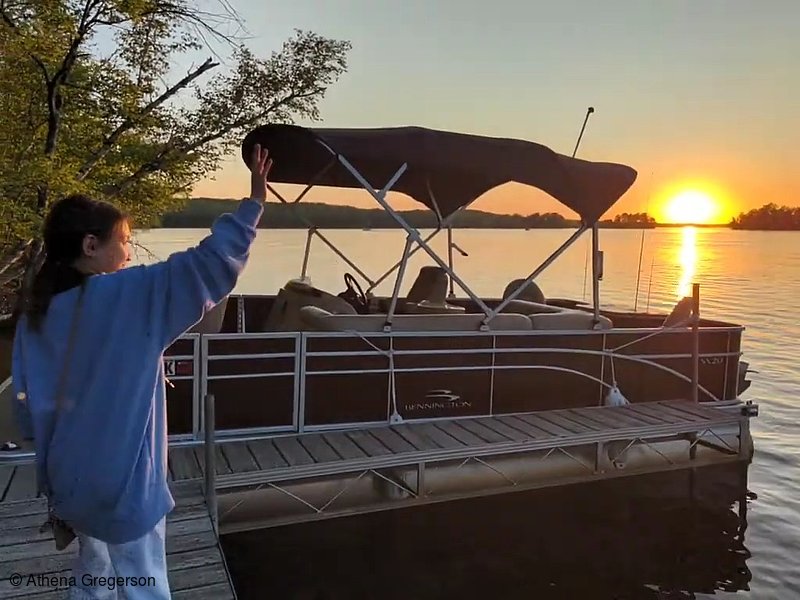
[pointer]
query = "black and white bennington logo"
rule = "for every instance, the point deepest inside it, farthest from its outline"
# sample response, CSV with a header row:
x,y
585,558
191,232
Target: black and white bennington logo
x,y
444,395
438,400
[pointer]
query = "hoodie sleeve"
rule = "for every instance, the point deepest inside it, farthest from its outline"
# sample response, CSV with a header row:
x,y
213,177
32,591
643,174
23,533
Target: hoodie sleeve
x,y
20,409
189,283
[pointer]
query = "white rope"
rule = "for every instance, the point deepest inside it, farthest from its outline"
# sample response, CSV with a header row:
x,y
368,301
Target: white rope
x,y
655,333
391,403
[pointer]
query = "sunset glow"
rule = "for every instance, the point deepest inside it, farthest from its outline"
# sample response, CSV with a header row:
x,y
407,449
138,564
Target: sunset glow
x,y
692,206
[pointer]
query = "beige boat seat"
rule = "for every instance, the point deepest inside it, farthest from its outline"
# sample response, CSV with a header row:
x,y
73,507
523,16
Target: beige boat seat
x,y
544,316
526,307
428,294
293,297
318,319
212,319
569,320
531,293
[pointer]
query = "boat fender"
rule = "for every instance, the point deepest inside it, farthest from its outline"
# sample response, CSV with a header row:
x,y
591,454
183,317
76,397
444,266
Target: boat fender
x,y
615,397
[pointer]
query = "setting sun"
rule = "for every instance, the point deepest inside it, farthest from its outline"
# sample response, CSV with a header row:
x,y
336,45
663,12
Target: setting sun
x,y
691,206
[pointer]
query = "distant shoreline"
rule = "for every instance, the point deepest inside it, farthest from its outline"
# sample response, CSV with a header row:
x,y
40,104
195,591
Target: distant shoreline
x,y
200,213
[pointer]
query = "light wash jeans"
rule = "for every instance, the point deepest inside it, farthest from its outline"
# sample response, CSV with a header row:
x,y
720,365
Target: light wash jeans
x,y
143,562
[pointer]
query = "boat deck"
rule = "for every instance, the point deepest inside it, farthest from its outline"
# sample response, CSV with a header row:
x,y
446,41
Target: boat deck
x,y
309,476
196,565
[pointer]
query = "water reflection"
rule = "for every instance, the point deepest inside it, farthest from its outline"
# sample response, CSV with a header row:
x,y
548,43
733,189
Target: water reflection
x,y
687,258
669,535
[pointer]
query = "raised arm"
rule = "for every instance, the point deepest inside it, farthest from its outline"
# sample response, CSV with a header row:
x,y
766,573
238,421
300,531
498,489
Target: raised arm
x,y
181,289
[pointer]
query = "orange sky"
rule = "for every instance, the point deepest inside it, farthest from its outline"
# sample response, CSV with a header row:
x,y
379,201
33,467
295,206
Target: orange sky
x,y
743,189
693,95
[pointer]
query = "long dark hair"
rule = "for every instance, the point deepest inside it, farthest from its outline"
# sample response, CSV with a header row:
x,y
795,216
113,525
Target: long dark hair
x,y
69,221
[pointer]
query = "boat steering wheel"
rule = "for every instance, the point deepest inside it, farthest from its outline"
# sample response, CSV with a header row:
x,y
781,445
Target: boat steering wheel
x,y
355,295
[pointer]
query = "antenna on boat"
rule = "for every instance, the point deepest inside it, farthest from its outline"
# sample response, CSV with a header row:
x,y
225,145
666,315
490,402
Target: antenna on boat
x,y
650,282
641,250
589,111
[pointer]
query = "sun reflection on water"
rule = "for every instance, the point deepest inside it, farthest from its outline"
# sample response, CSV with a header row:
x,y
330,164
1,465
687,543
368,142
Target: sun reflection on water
x,y
687,258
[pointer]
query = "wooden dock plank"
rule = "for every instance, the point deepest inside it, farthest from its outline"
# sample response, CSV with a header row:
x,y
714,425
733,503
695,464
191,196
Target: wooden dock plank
x,y
368,443
487,434
452,429
8,524
644,409
696,408
23,484
437,435
292,451
601,418
392,440
680,413
562,417
266,454
212,592
525,427
344,446
503,429
536,420
416,438
239,457
593,424
221,466
318,448
196,577
649,419
194,558
184,463
6,472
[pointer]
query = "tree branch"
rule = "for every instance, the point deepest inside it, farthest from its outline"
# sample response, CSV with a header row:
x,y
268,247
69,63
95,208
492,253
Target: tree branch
x,y
160,160
130,121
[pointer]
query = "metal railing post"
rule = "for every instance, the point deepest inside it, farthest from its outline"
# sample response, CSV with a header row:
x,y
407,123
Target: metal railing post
x,y
210,467
695,341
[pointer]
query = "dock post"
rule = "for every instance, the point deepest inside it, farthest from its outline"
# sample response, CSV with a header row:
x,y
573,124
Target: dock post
x,y
210,467
695,341
695,358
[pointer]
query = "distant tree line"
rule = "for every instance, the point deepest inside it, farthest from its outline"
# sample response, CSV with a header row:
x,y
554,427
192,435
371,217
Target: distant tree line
x,y
769,217
201,212
630,220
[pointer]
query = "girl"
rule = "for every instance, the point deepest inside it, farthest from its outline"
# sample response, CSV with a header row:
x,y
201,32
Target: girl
x,y
88,376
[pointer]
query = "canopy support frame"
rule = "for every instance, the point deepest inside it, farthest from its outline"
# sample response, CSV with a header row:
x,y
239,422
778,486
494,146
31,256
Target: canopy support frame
x,y
414,237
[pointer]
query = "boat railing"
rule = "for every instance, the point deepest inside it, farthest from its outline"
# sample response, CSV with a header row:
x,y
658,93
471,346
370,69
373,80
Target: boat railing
x,y
298,357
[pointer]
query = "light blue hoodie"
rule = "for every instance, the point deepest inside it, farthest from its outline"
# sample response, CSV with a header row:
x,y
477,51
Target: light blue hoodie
x,y
106,466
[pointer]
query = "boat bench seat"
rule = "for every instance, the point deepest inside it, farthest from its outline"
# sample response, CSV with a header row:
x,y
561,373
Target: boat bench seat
x,y
568,320
319,319
545,316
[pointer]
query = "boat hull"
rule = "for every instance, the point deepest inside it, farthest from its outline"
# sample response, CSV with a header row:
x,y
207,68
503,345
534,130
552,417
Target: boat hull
x,y
294,381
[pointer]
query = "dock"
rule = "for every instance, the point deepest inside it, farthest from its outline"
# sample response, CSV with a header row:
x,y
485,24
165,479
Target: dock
x,y
288,479
265,481
196,564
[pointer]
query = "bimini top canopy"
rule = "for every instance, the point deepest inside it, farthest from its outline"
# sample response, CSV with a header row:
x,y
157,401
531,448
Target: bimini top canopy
x,y
446,171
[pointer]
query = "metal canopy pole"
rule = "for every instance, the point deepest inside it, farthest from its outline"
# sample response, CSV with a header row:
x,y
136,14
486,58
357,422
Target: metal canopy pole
x,y
538,271
596,272
379,197
312,230
451,293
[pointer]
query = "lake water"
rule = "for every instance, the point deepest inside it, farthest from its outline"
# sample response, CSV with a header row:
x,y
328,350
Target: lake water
x,y
644,539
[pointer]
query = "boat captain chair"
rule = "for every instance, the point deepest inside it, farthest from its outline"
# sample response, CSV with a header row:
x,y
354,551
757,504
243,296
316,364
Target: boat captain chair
x,y
297,294
428,294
